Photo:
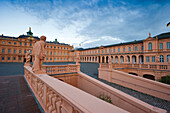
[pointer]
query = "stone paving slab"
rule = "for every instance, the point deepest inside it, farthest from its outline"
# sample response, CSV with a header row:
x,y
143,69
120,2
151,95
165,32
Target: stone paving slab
x,y
15,96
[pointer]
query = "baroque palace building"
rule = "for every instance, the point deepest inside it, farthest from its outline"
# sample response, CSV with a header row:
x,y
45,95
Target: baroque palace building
x,y
13,49
150,56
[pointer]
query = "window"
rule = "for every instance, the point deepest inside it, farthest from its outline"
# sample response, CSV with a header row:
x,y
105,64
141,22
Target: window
x,y
25,51
123,49
58,53
47,46
64,58
61,53
64,54
51,46
19,51
54,46
3,42
30,51
14,58
161,58
161,46
51,53
109,50
15,43
50,58
8,58
58,47
142,48
150,46
99,51
30,44
9,50
3,50
136,48
19,58
147,59
168,45
47,53
129,48
105,50
61,58
167,58
118,49
61,47
3,58
25,44
20,43
57,58
47,58
9,42
114,50
54,58
14,50
54,53
102,51
153,58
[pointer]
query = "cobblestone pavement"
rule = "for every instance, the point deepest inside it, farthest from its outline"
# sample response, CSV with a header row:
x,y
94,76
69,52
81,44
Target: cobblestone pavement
x,y
15,96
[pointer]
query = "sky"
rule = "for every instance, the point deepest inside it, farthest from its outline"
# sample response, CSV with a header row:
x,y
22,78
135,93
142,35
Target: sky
x,y
89,22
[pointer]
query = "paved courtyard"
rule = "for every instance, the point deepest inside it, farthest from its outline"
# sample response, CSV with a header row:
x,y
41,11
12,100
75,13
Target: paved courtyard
x,y
9,79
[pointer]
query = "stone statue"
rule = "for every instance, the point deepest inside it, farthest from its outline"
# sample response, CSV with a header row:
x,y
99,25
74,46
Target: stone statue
x,y
39,52
28,58
78,58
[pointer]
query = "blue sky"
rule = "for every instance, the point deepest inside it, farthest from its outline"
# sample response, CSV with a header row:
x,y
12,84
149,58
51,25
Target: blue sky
x,y
90,22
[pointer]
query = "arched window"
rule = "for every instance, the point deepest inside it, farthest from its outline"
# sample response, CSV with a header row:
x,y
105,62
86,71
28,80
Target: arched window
x,y
150,46
161,58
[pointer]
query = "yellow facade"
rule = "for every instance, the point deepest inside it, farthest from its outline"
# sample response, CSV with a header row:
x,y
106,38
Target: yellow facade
x,y
13,49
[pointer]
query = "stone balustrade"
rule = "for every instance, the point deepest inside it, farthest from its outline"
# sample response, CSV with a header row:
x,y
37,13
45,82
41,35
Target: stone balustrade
x,y
56,96
58,69
141,66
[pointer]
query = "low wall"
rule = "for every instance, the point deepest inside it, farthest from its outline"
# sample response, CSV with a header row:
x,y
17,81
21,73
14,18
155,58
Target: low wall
x,y
119,98
140,84
56,96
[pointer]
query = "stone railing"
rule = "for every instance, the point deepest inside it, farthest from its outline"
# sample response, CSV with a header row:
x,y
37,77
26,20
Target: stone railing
x,y
56,96
57,69
142,66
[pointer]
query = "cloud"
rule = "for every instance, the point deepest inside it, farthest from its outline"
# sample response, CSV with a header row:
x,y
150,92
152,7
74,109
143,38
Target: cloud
x,y
93,22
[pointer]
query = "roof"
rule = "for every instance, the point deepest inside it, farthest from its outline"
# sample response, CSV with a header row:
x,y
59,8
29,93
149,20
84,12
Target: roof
x,y
163,35
7,37
24,36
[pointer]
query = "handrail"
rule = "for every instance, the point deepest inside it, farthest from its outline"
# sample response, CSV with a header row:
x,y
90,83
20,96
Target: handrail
x,y
57,96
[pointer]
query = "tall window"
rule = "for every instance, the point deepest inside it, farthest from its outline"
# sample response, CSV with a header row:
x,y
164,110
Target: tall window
x,y
9,42
14,58
153,58
161,58
118,49
147,59
9,50
25,44
109,50
136,48
150,46
142,48
114,50
102,51
167,58
105,50
19,58
161,46
129,48
47,52
123,49
168,45
19,51
54,53
3,42
61,53
99,51
30,44
3,58
15,43
8,58
51,53
25,51
20,43
3,50
14,50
